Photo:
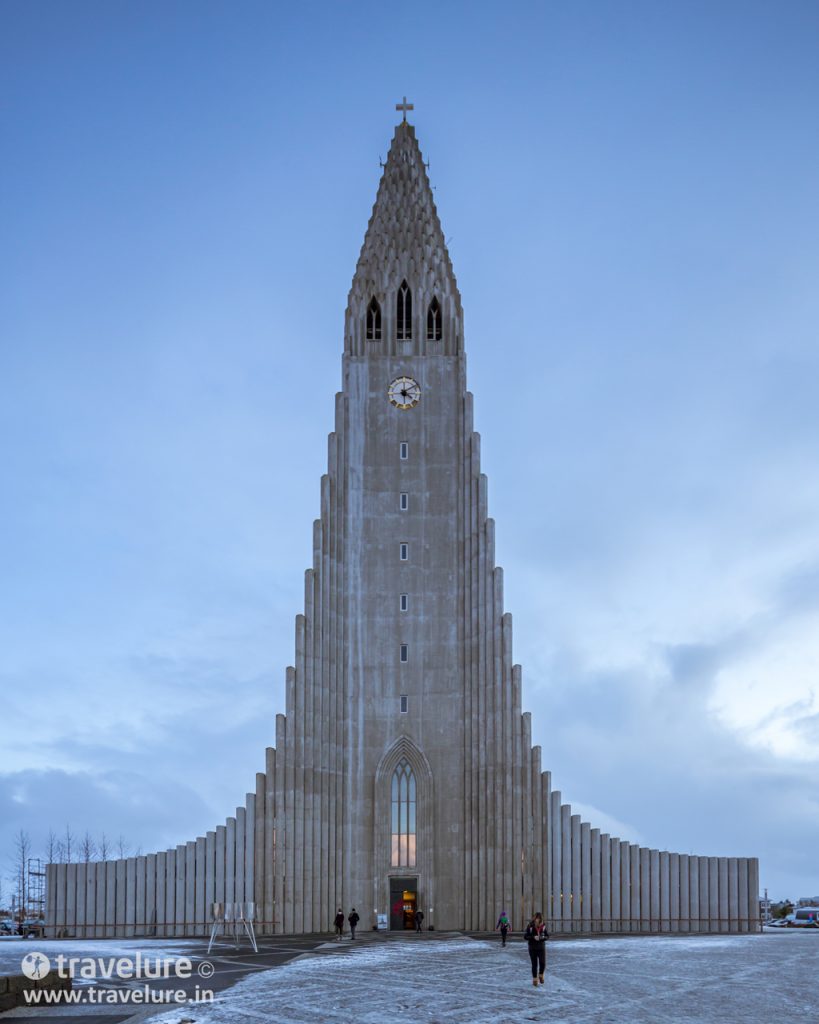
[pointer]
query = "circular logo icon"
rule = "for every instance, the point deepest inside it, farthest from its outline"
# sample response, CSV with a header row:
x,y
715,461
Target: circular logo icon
x,y
35,966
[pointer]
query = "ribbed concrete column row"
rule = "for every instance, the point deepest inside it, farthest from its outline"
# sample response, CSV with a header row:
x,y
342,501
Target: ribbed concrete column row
x,y
162,894
599,883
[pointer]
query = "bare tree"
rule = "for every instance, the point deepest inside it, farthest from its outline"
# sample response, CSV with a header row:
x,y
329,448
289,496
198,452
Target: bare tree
x,y
103,848
52,847
22,852
68,844
88,848
122,847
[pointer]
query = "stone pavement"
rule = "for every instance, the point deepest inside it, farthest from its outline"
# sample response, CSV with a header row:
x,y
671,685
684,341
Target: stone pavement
x,y
745,979
452,979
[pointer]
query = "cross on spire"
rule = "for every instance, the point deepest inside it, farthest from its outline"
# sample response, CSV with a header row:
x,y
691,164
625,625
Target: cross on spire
x,y
405,107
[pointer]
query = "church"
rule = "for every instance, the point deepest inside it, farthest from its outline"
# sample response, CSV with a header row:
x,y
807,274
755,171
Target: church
x,y
403,776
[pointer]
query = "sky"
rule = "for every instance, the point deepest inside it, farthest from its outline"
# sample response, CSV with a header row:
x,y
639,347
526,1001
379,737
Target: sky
x,y
628,192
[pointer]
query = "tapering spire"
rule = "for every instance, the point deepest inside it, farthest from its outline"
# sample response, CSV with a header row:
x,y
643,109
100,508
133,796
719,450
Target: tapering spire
x,y
404,242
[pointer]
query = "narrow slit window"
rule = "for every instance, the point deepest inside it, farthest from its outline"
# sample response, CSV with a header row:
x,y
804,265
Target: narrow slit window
x,y
404,501
404,602
404,653
404,703
403,450
374,320
434,329
403,320
403,552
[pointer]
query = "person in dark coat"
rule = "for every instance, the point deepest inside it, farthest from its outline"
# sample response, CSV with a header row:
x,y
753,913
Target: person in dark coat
x,y
536,935
339,923
353,918
503,926
419,919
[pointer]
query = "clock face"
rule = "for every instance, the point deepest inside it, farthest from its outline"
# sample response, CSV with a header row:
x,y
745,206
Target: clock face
x,y
404,392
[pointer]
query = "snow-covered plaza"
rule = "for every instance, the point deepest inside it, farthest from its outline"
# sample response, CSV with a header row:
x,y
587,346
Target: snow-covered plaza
x,y
747,979
742,979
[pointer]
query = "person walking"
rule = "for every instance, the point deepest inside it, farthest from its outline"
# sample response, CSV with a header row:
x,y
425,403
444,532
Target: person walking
x,y
503,926
536,935
339,923
353,918
419,920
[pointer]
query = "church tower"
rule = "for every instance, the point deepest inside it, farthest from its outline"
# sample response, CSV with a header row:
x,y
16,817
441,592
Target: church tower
x,y
403,776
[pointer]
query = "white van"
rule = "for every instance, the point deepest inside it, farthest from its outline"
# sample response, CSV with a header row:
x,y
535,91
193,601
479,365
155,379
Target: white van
x,y
804,917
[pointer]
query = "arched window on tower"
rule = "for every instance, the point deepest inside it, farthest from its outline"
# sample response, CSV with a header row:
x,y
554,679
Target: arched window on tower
x,y
403,319
434,330
403,816
373,320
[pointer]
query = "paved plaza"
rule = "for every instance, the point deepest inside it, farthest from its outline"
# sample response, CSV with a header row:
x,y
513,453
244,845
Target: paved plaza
x,y
453,979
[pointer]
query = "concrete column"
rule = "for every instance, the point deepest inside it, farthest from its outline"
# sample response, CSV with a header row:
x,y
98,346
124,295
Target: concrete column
x,y
517,807
724,916
230,860
585,877
101,902
744,904
190,887
555,817
674,891
296,851
615,884
91,900
645,890
566,865
713,894
259,872
161,895
665,894
80,897
278,837
625,886
548,889
111,900
250,845
239,885
150,895
221,859
694,893
71,899
576,878
271,851
121,891
685,894
140,910
200,869
179,909
170,892
130,897
605,882
653,857
733,894
636,891
210,878
596,886
705,896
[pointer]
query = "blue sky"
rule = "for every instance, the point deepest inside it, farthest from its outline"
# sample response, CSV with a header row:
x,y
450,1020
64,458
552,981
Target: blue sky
x,y
629,195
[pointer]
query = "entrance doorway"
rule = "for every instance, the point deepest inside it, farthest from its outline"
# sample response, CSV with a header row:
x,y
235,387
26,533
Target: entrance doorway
x,y
403,903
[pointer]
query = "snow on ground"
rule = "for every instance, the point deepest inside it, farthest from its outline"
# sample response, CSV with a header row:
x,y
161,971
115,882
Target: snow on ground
x,y
12,951
743,979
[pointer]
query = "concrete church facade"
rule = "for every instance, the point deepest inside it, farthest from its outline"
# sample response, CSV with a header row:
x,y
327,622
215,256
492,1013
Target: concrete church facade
x,y
403,776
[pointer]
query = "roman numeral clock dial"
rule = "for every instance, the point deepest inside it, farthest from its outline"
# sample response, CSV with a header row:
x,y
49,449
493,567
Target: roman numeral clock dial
x,y
404,393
